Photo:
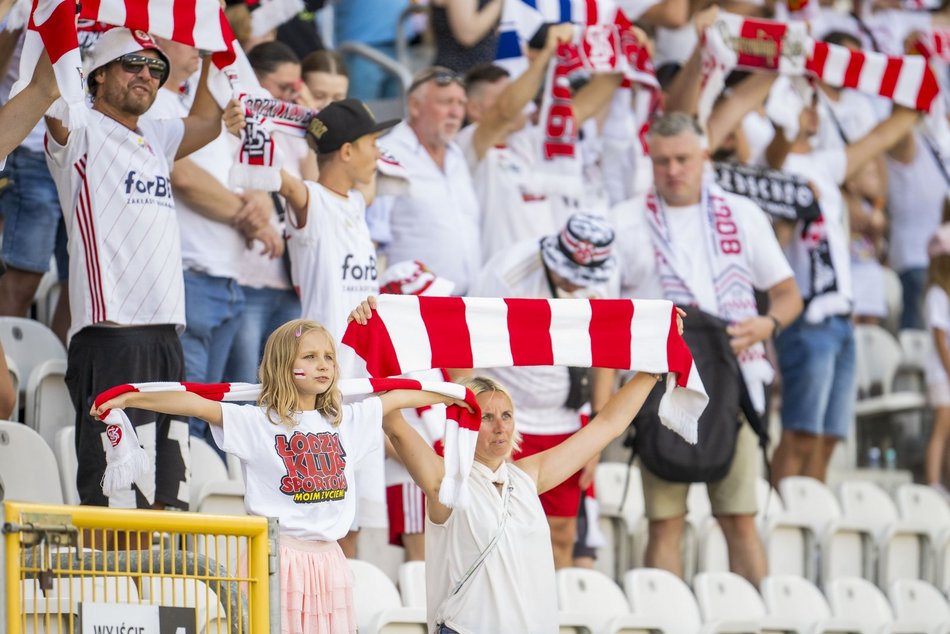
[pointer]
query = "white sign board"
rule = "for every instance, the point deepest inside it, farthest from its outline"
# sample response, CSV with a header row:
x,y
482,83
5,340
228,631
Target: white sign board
x,y
119,618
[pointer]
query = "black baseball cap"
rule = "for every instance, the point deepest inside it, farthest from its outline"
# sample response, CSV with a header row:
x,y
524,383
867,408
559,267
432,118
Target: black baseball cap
x,y
343,122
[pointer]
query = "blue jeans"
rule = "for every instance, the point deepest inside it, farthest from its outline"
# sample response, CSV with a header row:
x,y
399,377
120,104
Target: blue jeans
x,y
913,282
368,80
818,374
31,212
213,308
264,310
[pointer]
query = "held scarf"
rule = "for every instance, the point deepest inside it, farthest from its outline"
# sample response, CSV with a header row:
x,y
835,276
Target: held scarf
x,y
765,45
127,461
409,333
779,194
731,277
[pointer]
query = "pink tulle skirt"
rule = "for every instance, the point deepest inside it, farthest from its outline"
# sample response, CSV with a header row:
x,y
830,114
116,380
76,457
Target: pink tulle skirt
x,y
316,588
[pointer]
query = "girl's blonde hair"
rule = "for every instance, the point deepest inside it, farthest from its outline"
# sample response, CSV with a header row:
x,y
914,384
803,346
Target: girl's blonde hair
x,y
279,393
482,384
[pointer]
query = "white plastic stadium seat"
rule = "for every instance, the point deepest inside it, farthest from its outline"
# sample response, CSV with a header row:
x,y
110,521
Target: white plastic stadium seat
x,y
15,378
725,596
28,470
212,491
29,343
65,449
878,356
210,615
622,523
49,407
915,348
662,596
378,606
845,547
913,599
861,601
789,541
412,584
921,504
592,598
792,597
902,544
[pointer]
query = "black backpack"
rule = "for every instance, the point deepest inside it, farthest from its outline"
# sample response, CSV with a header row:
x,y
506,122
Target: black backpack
x,y
664,452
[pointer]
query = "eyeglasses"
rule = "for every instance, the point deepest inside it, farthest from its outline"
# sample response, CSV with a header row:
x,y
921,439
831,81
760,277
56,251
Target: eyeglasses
x,y
133,63
440,75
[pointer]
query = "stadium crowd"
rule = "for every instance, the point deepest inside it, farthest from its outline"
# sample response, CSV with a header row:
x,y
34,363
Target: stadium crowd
x,y
769,206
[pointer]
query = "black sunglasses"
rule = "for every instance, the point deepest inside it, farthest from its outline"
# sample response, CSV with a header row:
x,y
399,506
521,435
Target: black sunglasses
x,y
441,76
133,63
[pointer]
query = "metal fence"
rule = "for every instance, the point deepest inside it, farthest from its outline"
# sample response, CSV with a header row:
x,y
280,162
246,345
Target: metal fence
x,y
113,571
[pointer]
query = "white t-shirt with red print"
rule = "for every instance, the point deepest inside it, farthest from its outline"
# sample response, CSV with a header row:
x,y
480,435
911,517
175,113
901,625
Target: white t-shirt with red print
x,y
304,475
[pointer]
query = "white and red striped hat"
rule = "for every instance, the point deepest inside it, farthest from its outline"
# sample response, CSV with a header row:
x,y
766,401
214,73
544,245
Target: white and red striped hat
x,y
582,253
120,41
412,277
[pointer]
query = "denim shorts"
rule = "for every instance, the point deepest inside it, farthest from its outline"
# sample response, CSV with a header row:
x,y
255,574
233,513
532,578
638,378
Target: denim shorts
x,y
31,212
818,374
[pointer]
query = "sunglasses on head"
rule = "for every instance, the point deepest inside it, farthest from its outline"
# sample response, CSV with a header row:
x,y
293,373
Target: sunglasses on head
x,y
441,76
133,63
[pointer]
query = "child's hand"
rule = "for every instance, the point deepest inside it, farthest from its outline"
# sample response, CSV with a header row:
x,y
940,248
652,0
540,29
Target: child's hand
x,y
680,313
364,312
461,403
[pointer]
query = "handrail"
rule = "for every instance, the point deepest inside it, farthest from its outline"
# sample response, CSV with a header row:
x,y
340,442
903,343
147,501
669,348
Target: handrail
x,y
387,63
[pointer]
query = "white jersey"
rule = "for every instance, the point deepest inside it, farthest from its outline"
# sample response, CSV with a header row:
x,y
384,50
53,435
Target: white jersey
x,y
198,232
124,246
332,258
304,475
428,421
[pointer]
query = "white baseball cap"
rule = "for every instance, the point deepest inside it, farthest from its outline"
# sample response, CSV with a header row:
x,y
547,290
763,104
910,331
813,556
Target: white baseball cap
x,y
411,277
120,41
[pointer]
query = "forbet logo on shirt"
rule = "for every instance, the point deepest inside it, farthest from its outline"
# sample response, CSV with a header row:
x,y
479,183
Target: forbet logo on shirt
x,y
142,190
314,464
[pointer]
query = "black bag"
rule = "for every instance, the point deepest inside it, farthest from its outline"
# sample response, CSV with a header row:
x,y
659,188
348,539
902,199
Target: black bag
x,y
580,388
664,452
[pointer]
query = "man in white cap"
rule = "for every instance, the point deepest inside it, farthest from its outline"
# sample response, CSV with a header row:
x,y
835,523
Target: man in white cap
x,y
576,262
125,278
405,500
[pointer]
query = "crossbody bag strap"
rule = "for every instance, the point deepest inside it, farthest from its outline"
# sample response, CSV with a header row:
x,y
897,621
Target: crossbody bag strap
x,y
505,499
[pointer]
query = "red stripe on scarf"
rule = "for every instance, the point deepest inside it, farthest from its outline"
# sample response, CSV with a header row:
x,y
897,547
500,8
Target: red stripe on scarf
x,y
592,12
185,21
852,74
221,59
447,327
210,391
90,9
375,337
58,32
136,15
678,356
529,325
816,63
929,90
891,73
610,336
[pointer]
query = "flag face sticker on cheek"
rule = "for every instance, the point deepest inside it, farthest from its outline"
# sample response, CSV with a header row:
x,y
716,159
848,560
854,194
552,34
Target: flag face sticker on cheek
x,y
299,374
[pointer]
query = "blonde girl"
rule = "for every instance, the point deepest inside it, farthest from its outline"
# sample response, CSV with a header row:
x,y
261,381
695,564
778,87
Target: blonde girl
x,y
937,313
299,447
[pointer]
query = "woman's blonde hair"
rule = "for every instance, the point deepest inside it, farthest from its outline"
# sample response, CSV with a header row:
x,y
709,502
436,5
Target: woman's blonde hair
x,y
482,384
279,390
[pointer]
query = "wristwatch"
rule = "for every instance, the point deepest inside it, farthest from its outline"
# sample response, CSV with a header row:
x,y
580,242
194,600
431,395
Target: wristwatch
x,y
778,325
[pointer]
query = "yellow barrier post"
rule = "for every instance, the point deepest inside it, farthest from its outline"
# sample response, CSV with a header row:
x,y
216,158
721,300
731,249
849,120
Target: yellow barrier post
x,y
47,555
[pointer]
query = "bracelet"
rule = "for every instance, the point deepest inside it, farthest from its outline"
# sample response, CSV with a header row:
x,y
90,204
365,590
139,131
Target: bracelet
x,y
777,324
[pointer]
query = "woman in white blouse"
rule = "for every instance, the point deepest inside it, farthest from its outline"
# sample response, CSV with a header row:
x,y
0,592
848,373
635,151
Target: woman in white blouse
x,y
489,570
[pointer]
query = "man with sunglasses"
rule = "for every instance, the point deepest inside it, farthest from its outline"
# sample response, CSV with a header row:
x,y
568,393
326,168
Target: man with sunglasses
x,y
125,268
427,223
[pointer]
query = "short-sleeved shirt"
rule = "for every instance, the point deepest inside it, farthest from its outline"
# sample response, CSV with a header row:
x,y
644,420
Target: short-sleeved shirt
x,y
302,475
937,314
332,258
124,244
437,223
767,263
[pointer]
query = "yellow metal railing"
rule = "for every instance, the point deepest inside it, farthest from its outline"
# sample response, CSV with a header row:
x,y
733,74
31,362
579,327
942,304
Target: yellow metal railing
x,y
218,570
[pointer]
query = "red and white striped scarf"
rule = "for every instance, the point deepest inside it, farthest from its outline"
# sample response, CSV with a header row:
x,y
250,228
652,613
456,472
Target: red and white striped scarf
x,y
934,44
410,333
126,461
765,45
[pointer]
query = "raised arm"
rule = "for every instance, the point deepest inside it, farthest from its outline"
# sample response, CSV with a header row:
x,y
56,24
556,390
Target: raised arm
x,y
203,123
174,403
883,137
297,196
551,467
499,120
424,465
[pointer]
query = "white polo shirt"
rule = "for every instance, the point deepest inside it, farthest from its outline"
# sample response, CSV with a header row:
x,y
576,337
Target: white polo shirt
x,y
437,223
